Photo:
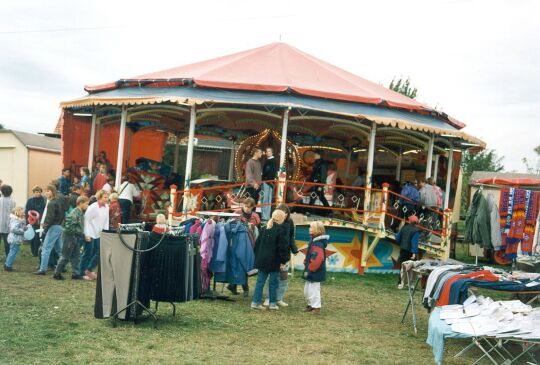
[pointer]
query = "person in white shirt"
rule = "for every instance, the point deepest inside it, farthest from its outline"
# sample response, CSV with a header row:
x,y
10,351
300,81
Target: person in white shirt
x,y
96,219
126,193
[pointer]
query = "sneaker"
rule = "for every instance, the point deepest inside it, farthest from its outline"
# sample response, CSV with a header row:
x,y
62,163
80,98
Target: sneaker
x,y
86,278
308,309
316,311
39,272
76,277
266,302
273,307
7,268
400,286
281,303
232,289
257,306
58,277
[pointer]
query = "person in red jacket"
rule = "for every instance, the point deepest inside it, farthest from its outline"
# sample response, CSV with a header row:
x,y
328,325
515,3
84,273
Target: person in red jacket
x,y
315,266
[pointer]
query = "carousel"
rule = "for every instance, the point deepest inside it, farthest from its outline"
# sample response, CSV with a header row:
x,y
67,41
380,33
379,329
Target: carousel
x,y
185,134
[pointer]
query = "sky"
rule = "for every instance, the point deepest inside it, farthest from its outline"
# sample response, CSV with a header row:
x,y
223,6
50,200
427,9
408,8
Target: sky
x,y
477,60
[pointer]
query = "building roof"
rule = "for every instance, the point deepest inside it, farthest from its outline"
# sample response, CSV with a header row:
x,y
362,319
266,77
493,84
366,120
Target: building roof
x,y
36,141
276,68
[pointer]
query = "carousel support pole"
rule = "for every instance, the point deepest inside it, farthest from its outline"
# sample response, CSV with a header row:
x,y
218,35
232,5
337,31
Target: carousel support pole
x,y
97,139
189,156
121,143
449,176
429,156
282,180
92,141
398,166
436,168
348,167
129,144
172,207
369,172
176,152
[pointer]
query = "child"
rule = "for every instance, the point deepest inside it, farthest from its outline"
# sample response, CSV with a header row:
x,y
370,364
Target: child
x,y
15,238
315,266
407,238
72,237
161,224
271,255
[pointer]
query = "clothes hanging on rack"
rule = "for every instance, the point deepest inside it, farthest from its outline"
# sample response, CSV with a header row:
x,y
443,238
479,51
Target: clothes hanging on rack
x,y
477,222
120,276
207,247
234,256
172,269
518,211
496,238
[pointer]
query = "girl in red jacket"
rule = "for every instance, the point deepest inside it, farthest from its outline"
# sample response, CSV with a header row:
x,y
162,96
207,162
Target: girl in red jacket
x,y
315,266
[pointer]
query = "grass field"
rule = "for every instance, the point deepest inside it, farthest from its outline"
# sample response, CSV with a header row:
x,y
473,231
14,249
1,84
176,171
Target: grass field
x,y
43,321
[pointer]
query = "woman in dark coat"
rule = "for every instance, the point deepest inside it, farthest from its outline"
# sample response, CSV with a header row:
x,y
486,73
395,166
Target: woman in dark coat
x,y
271,255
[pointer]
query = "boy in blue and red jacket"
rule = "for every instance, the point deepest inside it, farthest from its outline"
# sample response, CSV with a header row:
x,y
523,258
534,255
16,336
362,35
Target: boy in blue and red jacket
x,y
315,266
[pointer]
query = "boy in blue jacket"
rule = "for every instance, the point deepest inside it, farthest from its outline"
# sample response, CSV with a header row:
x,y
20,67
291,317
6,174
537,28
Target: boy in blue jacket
x,y
408,238
315,266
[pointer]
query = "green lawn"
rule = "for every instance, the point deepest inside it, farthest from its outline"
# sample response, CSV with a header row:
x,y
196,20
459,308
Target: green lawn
x,y
43,321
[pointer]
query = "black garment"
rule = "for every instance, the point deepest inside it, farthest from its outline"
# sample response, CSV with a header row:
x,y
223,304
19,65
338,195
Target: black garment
x,y
55,213
251,192
272,248
407,233
320,171
289,227
269,169
318,190
405,210
125,206
35,242
37,204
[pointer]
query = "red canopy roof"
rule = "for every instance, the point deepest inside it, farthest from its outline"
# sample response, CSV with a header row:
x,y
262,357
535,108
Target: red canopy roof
x,y
277,67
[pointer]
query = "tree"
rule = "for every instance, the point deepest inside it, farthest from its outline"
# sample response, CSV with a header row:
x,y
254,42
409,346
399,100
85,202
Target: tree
x,y
403,86
486,160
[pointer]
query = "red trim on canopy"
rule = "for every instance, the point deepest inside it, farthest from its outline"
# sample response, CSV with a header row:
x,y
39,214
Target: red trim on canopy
x,y
508,181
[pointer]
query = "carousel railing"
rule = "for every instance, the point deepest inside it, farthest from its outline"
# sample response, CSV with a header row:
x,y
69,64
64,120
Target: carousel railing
x,y
434,224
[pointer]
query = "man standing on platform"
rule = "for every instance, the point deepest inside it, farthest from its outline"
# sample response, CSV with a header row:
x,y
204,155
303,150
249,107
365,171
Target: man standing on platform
x,y
253,174
269,172
319,175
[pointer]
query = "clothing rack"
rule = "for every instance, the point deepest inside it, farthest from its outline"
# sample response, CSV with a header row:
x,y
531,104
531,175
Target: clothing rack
x,y
135,227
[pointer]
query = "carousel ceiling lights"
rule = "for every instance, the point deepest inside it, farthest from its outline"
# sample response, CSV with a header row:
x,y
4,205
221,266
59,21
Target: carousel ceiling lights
x,y
359,150
410,151
469,144
83,114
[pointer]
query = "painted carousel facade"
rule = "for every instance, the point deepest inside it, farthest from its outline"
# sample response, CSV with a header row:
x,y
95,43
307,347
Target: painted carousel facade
x,y
276,96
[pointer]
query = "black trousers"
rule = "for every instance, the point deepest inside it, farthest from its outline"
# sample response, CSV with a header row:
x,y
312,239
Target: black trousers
x,y
251,192
35,243
319,191
404,255
3,237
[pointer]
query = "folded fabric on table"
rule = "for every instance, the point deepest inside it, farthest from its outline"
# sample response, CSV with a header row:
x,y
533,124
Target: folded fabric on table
x,y
438,331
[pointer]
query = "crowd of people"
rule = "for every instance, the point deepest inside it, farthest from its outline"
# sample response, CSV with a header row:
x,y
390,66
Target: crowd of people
x,y
63,222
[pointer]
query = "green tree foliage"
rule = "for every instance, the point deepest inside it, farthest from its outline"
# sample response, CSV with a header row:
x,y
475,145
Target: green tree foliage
x,y
403,86
537,150
486,160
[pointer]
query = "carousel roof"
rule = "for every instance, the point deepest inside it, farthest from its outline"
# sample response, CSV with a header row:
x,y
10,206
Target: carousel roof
x,y
277,68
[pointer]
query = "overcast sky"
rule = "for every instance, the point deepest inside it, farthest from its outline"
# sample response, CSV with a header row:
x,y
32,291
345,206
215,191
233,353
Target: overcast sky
x,y
479,61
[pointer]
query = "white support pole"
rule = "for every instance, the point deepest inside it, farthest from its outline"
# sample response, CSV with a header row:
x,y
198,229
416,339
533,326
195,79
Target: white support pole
x,y
283,150
176,153
449,176
436,168
189,155
429,156
121,142
348,167
369,171
92,141
398,166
